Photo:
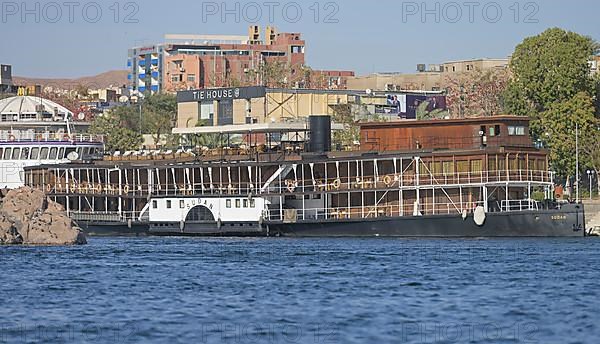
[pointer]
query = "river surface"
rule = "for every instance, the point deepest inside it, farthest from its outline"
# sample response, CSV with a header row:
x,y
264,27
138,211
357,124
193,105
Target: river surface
x,y
194,290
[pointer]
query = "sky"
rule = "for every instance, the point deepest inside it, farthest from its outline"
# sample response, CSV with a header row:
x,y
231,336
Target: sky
x,y
70,38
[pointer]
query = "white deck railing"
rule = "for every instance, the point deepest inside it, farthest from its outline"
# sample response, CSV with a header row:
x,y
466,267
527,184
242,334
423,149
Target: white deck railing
x,y
33,136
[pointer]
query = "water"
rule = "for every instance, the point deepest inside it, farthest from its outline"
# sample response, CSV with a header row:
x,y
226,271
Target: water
x,y
192,290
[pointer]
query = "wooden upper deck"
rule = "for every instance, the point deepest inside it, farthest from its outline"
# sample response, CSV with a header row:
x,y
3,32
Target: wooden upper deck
x,y
468,133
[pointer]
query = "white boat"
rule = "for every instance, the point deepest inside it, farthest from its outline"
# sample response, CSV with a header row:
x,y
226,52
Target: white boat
x,y
36,131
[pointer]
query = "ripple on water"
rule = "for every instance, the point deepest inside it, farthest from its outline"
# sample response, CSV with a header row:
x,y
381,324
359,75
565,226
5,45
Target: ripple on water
x,y
182,290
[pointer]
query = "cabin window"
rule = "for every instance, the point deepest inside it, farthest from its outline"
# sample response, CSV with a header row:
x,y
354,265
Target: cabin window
x,y
541,165
24,153
15,153
237,203
168,204
516,131
228,203
1,152
69,151
492,163
53,152
513,164
154,204
462,166
44,153
497,130
35,152
252,203
476,166
448,167
61,153
181,204
245,203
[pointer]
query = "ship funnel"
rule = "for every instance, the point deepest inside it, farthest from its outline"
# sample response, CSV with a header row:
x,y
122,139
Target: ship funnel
x,y
320,134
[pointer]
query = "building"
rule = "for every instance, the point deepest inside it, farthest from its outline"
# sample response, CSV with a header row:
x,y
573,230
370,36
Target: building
x,y
430,79
6,75
188,62
258,104
595,65
6,82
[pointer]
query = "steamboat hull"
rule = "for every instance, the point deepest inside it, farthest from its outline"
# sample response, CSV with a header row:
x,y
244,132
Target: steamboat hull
x,y
566,222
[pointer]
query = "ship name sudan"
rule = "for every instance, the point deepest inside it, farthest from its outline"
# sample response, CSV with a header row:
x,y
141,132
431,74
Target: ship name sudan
x,y
472,177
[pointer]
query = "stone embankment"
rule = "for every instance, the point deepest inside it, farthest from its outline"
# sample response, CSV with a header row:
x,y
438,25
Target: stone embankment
x,y
592,217
28,217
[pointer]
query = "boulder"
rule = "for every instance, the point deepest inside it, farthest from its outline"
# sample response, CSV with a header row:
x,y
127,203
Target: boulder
x,y
28,217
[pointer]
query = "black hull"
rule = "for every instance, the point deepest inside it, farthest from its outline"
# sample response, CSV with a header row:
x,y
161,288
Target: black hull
x,y
566,222
207,228
112,229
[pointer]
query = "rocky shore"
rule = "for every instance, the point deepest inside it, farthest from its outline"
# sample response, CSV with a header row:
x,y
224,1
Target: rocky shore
x,y
28,217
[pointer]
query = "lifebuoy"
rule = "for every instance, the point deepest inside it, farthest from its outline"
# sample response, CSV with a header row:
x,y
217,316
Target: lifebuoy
x,y
388,180
291,185
48,188
337,183
126,189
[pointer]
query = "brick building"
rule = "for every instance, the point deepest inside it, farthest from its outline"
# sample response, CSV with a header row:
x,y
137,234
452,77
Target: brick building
x,y
201,61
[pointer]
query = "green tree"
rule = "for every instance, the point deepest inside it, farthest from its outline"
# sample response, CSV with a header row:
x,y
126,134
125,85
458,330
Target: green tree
x,y
423,113
117,137
558,127
159,116
552,84
548,68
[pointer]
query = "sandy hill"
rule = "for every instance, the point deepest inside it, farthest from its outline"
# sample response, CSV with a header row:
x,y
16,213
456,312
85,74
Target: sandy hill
x,y
107,79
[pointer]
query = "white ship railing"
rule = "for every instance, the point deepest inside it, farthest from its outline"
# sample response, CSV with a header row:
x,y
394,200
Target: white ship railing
x,y
111,216
391,210
33,136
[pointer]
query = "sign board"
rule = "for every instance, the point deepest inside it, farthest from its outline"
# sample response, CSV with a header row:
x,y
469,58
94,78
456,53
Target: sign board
x,y
221,94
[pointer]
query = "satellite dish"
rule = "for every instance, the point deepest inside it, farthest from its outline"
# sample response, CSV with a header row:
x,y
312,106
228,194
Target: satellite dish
x,y
81,116
73,156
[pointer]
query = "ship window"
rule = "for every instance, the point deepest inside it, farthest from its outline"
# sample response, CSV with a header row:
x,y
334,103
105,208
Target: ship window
x,y
245,203
7,154
520,131
448,167
44,155
237,203
15,153
511,131
25,153
476,166
53,152
462,166
181,204
228,203
61,153
154,204
35,152
252,203
497,130
168,204
1,152
69,151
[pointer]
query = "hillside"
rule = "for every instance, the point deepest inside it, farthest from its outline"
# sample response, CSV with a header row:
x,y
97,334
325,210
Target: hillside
x,y
104,80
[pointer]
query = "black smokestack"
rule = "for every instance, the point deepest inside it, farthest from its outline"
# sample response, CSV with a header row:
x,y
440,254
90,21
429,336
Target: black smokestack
x,y
320,134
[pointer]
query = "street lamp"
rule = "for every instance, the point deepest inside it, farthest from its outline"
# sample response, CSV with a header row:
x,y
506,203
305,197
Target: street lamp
x,y
590,174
